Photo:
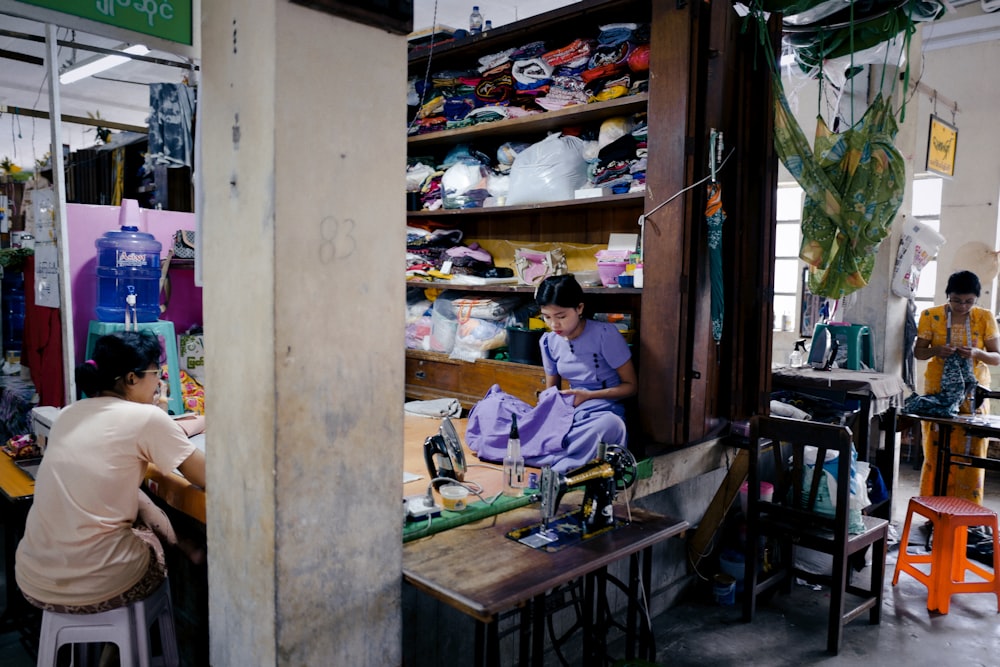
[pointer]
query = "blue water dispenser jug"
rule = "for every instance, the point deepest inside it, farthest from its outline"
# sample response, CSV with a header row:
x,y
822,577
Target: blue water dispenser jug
x,y
128,262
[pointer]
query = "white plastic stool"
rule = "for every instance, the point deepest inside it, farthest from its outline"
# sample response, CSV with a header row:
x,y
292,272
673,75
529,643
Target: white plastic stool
x,y
128,627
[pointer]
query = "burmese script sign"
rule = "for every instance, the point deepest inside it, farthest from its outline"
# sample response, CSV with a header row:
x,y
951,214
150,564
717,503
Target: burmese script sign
x,y
942,140
166,19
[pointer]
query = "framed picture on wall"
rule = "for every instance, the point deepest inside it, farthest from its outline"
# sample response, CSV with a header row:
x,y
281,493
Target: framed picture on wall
x,y
942,143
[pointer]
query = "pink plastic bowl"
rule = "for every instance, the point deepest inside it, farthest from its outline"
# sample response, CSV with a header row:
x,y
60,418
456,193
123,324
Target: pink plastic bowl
x,y
609,272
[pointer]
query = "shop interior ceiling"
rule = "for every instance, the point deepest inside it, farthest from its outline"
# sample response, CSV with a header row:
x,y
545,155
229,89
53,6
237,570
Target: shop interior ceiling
x,y
120,95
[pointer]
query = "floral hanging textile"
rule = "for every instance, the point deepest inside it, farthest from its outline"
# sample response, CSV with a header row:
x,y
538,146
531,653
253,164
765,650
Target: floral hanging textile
x,y
854,182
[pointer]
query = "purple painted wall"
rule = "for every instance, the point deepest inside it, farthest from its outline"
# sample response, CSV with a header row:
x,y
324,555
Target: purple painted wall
x,y
86,223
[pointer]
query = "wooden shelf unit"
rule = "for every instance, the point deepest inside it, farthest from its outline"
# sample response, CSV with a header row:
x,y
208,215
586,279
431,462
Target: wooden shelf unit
x,y
703,74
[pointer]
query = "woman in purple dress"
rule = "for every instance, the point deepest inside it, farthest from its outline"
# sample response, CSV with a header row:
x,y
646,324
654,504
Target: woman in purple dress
x,y
588,372
594,360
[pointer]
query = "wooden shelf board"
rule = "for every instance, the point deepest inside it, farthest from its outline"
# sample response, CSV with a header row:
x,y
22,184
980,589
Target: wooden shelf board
x,y
540,122
520,289
590,202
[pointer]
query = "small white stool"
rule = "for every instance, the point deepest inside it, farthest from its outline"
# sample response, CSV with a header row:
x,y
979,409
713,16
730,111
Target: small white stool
x,y
128,627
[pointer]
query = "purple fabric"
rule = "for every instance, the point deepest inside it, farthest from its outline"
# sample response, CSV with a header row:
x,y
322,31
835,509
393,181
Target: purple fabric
x,y
589,361
541,428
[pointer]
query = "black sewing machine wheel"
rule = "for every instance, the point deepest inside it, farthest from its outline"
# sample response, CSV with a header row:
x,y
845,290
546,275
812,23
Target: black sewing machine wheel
x,y
625,460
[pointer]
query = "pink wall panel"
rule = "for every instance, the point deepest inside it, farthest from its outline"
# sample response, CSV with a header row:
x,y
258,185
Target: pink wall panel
x,y
86,223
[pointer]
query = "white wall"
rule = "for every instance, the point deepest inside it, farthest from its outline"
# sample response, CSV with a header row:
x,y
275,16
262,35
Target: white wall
x,y
967,74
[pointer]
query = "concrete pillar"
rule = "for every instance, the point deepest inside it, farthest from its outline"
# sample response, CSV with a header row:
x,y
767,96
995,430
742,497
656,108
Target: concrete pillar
x,y
303,214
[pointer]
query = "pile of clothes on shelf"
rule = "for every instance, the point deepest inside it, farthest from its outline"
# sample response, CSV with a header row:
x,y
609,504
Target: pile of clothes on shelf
x,y
429,246
464,325
533,78
611,157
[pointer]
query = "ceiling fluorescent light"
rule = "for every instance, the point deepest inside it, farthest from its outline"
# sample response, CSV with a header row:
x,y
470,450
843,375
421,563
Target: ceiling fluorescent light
x,y
92,67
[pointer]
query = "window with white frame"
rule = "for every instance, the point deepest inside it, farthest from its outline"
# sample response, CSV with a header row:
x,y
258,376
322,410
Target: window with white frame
x,y
926,208
787,271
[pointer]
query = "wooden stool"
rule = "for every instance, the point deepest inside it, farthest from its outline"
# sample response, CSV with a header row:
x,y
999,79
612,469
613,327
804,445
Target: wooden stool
x,y
951,518
128,627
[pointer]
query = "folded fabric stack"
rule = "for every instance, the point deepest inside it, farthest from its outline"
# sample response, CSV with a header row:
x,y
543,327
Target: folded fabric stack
x,y
619,164
637,168
532,78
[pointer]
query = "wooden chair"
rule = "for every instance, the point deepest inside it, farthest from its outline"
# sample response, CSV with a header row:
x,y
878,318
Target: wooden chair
x,y
792,519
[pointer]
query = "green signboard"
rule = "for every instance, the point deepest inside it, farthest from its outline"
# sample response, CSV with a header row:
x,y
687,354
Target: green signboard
x,y
166,19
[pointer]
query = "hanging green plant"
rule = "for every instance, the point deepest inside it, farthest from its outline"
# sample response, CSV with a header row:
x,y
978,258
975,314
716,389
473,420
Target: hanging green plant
x,y
12,259
103,133
16,173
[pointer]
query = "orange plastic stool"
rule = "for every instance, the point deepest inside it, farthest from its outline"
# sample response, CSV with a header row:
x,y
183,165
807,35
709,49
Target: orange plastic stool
x,y
951,517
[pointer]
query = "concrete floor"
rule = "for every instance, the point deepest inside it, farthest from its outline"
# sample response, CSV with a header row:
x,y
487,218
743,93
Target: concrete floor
x,y
791,630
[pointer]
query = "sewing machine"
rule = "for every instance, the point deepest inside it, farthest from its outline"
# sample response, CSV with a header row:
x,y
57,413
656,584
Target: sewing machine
x,y
980,394
613,470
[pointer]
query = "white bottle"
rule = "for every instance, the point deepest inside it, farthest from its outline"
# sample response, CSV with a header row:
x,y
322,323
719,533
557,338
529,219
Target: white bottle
x,y
475,21
513,463
488,25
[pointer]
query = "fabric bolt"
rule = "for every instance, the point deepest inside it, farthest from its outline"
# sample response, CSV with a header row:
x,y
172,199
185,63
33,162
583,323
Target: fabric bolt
x,y
78,546
171,124
606,55
493,60
457,108
613,34
613,170
963,482
488,114
496,86
622,148
574,54
528,51
531,73
438,408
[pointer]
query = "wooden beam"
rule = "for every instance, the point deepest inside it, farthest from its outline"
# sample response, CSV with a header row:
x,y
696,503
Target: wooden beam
x,y
680,465
79,120
701,542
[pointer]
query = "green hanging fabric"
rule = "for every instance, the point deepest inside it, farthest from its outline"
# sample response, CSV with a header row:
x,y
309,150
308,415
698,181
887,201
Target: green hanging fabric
x,y
854,183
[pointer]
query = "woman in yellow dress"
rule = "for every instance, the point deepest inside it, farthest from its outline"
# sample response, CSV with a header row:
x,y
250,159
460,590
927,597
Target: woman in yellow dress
x,y
956,327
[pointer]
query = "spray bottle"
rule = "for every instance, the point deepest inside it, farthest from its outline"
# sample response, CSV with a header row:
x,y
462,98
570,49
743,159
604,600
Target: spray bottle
x,y
798,355
513,463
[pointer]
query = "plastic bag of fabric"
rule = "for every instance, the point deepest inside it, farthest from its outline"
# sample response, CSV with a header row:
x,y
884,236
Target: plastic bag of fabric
x,y
479,307
418,325
550,170
460,184
826,495
474,339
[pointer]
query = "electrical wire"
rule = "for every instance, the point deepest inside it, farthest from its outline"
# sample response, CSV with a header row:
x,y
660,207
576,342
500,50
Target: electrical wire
x,y
427,70
693,185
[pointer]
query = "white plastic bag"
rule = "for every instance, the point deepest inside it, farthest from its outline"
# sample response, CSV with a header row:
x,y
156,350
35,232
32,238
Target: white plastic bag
x,y
919,245
550,170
